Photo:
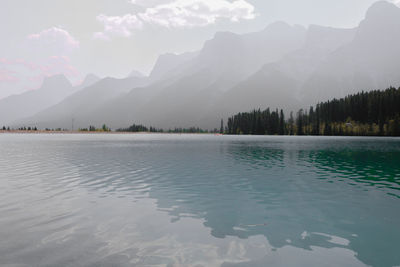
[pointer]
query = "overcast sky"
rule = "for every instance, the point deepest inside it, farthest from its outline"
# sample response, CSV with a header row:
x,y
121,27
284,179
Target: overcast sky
x,y
112,37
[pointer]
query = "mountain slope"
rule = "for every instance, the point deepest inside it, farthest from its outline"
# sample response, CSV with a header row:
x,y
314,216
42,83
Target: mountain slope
x,y
370,61
277,84
168,65
52,91
281,66
332,63
223,62
189,82
89,80
77,105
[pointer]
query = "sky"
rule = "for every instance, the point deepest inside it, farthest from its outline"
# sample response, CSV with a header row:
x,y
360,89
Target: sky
x,y
113,37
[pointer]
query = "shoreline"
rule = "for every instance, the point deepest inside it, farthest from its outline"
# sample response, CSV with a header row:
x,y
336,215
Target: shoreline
x,y
86,132
164,133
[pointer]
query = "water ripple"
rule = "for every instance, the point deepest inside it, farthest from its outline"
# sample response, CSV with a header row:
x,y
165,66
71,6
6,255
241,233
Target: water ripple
x,y
84,200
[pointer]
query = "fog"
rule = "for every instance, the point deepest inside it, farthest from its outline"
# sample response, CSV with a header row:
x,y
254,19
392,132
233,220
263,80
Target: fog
x,y
282,66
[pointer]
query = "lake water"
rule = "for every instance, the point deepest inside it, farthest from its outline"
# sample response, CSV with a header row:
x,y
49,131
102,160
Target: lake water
x,y
198,200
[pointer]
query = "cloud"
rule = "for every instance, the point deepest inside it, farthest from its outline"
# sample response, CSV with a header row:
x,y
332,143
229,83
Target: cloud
x,y
117,25
54,40
396,2
176,14
8,76
194,13
19,75
40,55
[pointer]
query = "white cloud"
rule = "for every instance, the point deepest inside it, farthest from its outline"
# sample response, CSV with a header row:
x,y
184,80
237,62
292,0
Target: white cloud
x,y
176,14
19,75
118,25
54,40
41,54
194,13
396,2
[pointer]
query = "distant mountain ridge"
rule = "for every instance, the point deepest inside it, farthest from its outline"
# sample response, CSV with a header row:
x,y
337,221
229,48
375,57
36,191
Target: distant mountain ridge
x,y
52,91
284,66
370,61
88,81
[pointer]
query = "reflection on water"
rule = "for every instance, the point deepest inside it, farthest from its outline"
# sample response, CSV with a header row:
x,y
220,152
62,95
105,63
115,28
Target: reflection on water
x,y
194,200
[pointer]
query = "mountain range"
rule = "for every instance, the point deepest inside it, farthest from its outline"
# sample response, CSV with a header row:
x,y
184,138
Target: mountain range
x,y
281,66
53,90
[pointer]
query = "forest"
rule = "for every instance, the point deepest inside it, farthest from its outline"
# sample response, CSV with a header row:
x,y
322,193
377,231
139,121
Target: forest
x,y
141,128
374,113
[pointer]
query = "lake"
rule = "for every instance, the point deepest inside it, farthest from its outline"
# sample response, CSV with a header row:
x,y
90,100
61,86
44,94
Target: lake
x,y
198,200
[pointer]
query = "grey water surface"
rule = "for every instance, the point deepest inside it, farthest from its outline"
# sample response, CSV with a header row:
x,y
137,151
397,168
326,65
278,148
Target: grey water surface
x,y
198,200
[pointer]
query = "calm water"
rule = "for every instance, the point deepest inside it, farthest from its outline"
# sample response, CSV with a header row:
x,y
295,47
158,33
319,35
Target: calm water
x,y
198,200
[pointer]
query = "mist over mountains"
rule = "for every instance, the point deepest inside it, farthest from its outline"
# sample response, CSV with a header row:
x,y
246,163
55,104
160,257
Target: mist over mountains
x,y
53,90
281,66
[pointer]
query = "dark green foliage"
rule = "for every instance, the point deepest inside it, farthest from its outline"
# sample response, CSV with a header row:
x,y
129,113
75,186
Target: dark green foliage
x,y
258,123
366,113
291,124
300,118
105,128
140,128
135,129
189,130
281,123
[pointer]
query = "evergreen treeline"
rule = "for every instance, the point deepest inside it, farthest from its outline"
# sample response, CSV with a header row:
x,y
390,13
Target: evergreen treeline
x,y
19,129
257,122
140,128
136,129
375,113
189,130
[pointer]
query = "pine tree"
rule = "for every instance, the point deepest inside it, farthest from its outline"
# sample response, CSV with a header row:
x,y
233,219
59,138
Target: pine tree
x,y
300,130
282,123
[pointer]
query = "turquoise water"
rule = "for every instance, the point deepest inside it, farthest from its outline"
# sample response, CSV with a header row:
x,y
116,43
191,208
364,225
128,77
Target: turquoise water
x,y
198,200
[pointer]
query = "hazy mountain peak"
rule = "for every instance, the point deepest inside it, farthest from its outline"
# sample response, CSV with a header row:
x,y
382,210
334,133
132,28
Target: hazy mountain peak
x,y
89,80
382,9
221,42
53,90
168,62
277,26
381,25
137,74
225,34
164,63
58,80
91,76
328,37
280,65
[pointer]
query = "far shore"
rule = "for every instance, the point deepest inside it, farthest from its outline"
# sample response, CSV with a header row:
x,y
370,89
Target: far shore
x,y
87,132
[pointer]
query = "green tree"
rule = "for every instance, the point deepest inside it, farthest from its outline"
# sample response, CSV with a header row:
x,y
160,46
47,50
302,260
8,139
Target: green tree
x,y
281,123
300,130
